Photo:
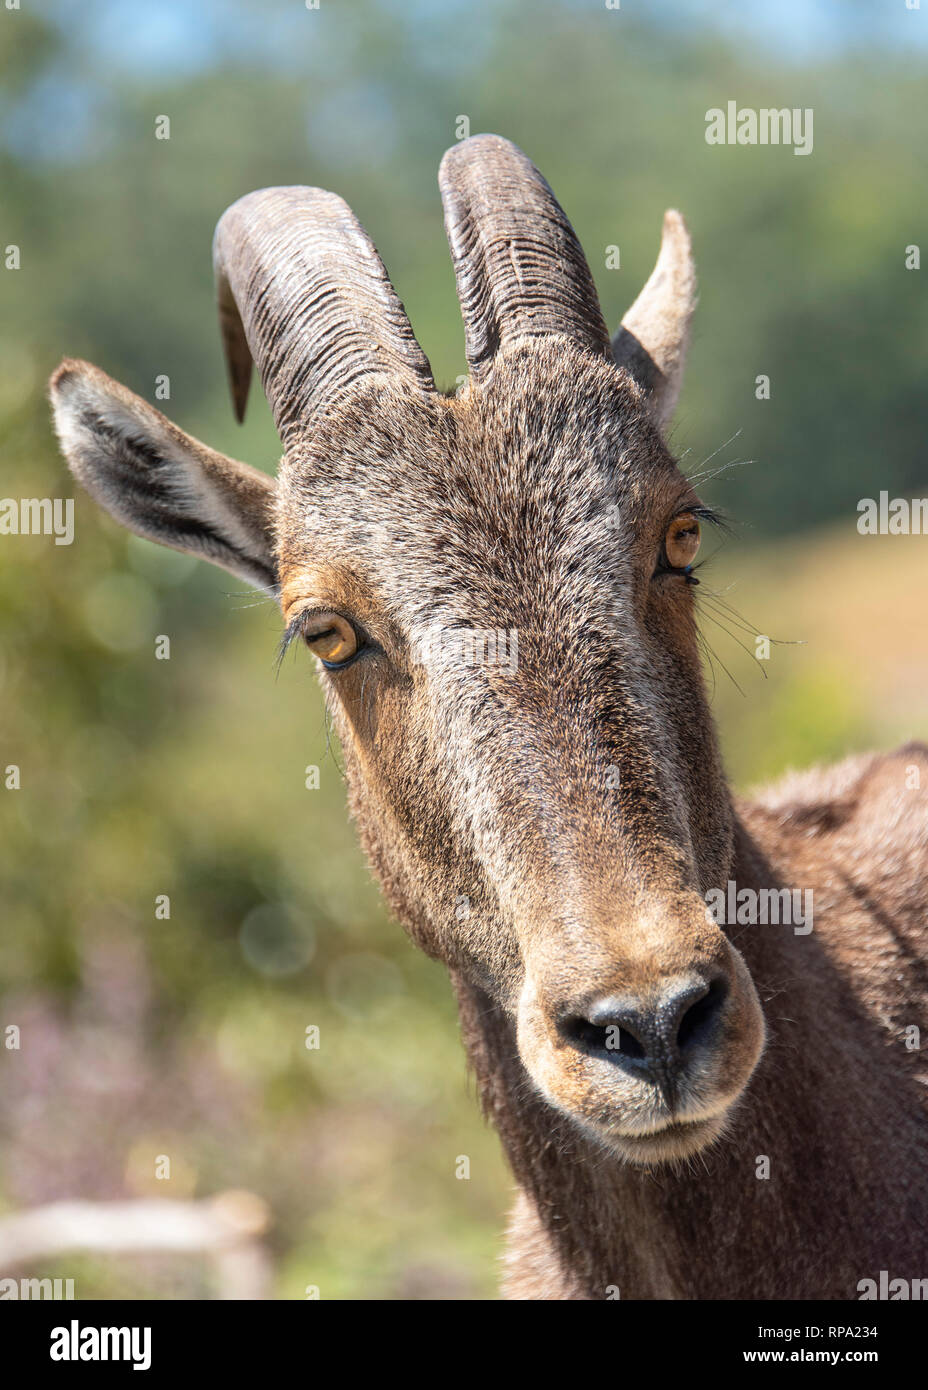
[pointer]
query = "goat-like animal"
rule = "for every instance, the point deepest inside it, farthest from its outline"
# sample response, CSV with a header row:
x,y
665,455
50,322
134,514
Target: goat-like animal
x,y
556,824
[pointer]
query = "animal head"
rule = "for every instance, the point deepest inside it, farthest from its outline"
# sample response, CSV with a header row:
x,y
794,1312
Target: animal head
x,y
497,587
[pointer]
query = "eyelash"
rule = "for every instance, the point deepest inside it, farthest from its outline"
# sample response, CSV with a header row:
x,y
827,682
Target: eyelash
x,y
290,634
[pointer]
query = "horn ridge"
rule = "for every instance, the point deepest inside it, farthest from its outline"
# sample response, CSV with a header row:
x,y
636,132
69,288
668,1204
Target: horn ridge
x,y
519,268
303,293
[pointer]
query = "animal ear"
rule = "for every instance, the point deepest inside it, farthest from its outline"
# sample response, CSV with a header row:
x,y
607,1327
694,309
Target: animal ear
x,y
651,342
160,482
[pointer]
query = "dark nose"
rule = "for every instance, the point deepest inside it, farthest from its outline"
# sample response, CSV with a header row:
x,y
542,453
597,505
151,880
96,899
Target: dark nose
x,y
655,1039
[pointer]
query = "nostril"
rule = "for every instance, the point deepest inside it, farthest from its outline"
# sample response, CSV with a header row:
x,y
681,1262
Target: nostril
x,y
607,1039
627,1029
698,1018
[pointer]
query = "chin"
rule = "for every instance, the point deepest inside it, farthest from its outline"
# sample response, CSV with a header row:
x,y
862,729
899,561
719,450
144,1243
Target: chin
x,y
674,1142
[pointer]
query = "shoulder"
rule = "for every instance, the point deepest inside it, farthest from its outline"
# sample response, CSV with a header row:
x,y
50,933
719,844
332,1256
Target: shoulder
x,y
858,832
872,791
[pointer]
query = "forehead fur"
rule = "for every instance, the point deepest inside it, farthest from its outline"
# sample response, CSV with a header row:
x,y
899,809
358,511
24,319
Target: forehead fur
x,y
551,467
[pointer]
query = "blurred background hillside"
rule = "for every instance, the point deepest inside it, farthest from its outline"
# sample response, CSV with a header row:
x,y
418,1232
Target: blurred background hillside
x,y
185,1037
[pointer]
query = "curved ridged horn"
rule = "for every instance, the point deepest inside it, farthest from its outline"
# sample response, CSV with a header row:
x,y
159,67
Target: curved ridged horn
x,y
652,340
517,261
303,293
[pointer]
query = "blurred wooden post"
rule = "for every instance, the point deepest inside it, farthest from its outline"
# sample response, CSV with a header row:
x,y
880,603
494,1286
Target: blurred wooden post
x,y
225,1228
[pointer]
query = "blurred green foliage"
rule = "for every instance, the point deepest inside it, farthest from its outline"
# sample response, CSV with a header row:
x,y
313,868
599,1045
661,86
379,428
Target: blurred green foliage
x,y
187,777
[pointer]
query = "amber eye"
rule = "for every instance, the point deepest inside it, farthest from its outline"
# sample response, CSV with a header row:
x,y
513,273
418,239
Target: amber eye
x,y
682,541
330,637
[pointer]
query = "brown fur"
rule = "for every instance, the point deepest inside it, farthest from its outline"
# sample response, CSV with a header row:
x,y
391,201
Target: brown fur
x,y
487,803
836,1103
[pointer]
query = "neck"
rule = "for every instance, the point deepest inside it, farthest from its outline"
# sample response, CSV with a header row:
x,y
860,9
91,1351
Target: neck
x,y
787,1179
